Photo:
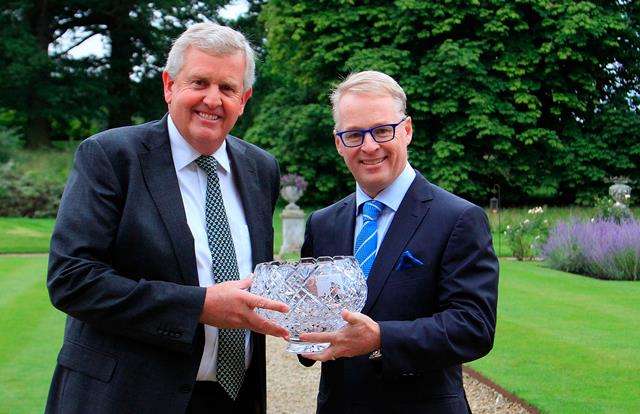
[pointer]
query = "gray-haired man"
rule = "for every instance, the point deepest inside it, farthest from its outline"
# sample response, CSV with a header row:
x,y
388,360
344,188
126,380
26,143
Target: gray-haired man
x,y
157,224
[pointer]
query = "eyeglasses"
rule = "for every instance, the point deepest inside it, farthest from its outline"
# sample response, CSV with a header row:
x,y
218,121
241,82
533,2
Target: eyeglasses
x,y
380,133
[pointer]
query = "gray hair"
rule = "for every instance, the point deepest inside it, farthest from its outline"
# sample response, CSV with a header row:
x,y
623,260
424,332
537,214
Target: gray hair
x,y
216,40
369,82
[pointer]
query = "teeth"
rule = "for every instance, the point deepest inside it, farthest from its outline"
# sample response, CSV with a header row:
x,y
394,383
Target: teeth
x,y
209,117
372,162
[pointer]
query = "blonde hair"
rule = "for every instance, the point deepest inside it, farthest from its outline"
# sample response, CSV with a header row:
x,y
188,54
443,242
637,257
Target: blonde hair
x,y
369,82
216,40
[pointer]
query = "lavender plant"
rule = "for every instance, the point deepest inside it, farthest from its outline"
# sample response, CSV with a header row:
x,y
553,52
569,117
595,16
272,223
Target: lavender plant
x,y
598,248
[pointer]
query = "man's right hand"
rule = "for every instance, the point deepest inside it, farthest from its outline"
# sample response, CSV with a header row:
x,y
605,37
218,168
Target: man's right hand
x,y
229,305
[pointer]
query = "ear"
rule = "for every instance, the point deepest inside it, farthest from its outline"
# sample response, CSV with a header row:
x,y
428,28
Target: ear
x,y
338,143
245,97
167,83
408,129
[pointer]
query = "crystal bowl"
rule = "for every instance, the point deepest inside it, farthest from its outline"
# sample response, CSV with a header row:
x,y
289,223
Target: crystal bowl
x,y
316,290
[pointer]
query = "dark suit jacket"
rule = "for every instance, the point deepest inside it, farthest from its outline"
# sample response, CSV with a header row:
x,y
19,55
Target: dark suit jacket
x,y
122,266
432,317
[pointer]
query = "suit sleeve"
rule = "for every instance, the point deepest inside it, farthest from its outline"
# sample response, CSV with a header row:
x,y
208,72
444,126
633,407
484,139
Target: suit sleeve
x,y
463,329
81,279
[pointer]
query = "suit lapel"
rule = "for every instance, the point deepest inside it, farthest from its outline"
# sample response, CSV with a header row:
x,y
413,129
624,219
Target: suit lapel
x,y
246,180
160,176
343,233
413,208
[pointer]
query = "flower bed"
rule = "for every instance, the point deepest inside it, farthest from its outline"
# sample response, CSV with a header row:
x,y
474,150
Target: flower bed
x,y
598,248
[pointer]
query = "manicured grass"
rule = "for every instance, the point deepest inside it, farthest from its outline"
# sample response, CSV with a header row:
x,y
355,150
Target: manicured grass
x,y
25,235
566,343
31,334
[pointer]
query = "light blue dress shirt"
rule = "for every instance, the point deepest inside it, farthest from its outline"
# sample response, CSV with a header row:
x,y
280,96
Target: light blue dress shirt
x,y
391,197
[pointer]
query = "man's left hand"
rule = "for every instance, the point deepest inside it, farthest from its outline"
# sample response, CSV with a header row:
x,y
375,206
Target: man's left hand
x,y
360,336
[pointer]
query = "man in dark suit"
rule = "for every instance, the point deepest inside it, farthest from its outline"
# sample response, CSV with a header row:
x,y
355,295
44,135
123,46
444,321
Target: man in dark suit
x,y
156,225
431,271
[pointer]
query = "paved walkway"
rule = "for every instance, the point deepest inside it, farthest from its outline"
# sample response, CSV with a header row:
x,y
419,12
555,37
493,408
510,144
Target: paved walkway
x,y
292,388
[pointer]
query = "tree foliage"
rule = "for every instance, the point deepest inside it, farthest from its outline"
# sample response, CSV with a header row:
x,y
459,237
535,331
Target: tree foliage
x,y
538,96
51,93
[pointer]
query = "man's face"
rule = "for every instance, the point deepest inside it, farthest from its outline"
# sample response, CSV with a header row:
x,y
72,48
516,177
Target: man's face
x,y
374,165
206,97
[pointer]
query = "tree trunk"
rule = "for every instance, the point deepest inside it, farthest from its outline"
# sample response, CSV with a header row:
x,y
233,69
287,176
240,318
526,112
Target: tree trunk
x,y
122,48
38,128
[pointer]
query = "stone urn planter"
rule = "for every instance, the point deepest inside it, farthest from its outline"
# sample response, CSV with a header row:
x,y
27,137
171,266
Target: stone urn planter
x,y
292,188
291,193
620,191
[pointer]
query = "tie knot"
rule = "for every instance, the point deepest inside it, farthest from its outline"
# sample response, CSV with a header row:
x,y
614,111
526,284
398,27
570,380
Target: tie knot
x,y
208,164
371,210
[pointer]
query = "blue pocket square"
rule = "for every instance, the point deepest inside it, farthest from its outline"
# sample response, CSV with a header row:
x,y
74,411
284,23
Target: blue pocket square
x,y
408,261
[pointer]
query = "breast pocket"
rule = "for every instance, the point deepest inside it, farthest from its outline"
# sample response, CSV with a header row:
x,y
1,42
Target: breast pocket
x,y
413,275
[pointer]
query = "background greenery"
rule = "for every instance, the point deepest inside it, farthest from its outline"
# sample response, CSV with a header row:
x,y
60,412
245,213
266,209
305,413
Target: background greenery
x,y
538,96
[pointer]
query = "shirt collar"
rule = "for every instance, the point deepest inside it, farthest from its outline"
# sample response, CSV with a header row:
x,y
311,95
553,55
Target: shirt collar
x,y
391,196
184,154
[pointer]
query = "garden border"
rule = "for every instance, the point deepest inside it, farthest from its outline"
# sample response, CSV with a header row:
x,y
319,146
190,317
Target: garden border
x,y
506,394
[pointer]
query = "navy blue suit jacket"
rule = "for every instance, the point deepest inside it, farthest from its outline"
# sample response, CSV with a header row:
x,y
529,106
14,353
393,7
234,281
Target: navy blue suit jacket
x,y
432,317
122,267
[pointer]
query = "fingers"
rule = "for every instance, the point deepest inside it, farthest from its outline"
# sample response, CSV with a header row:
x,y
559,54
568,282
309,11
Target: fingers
x,y
242,283
255,301
264,326
318,337
328,354
350,317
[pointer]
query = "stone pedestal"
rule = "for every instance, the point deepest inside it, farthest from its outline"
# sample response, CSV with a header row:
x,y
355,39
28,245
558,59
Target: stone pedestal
x,y
292,229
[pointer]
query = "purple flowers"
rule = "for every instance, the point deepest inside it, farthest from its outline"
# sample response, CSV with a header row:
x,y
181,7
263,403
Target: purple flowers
x,y
598,248
294,180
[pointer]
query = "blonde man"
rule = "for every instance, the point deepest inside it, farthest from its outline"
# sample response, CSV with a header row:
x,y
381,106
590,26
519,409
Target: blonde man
x,y
431,271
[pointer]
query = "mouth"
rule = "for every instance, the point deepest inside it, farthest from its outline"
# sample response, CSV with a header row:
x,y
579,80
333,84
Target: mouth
x,y
374,161
207,116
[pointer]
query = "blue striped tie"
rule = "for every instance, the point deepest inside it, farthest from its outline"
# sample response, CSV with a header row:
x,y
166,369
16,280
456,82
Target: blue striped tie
x,y
367,240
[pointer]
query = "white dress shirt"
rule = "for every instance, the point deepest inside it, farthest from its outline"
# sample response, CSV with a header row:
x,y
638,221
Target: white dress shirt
x,y
391,197
193,188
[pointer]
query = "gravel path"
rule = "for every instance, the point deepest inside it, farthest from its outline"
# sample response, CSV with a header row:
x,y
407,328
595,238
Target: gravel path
x,y
292,388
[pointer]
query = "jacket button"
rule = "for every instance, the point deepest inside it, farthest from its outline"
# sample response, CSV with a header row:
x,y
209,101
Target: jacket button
x,y
185,388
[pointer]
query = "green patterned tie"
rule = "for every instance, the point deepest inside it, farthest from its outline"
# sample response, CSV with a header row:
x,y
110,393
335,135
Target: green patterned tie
x,y
224,267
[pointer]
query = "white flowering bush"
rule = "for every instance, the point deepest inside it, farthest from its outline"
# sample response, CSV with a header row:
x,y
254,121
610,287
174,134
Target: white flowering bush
x,y
528,236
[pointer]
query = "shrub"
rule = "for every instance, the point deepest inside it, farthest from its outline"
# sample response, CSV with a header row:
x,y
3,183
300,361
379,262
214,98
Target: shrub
x,y
10,142
28,195
526,236
606,209
598,248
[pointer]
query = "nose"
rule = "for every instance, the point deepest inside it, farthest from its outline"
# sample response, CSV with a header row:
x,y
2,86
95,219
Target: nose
x,y
369,144
212,97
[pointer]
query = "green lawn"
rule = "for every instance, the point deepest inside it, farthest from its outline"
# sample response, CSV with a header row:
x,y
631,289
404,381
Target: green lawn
x,y
566,343
31,334
25,235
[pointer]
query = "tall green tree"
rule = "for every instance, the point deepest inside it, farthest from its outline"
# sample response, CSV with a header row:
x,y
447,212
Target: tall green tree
x,y
538,96
50,91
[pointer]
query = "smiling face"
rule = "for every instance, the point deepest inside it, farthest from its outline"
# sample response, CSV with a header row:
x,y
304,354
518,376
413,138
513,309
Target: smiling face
x,y
206,97
374,165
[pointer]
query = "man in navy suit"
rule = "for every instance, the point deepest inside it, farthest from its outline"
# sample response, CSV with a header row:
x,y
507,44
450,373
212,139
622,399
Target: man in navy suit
x,y
157,224
431,271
